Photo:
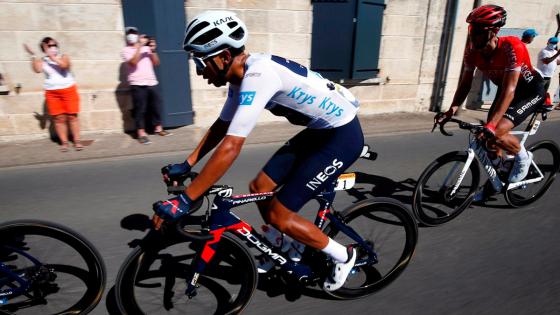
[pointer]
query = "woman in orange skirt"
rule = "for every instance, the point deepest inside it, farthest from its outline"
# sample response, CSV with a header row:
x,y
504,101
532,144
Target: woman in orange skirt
x,y
61,93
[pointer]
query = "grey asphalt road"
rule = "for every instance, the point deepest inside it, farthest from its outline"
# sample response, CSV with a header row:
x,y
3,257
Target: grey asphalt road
x,y
490,260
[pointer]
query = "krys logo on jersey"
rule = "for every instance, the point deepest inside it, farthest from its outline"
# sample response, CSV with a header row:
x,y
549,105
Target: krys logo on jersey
x,y
246,98
302,97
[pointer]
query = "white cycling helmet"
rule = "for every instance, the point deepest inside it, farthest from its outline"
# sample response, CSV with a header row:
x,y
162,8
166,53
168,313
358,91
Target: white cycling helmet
x,y
214,30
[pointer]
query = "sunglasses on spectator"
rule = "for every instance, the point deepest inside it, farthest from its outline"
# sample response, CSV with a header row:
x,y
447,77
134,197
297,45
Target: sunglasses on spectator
x,y
200,62
52,45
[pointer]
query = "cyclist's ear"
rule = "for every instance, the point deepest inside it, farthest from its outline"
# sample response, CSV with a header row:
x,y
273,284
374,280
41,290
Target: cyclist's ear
x,y
226,56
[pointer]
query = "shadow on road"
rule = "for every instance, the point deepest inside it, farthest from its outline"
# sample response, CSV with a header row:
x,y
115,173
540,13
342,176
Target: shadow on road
x,y
383,187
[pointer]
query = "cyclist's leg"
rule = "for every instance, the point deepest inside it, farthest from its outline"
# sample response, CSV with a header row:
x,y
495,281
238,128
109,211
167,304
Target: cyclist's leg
x,y
262,183
527,100
278,167
338,149
504,140
521,107
289,222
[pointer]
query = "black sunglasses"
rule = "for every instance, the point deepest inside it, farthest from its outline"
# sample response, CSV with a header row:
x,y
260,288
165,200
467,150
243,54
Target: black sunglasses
x,y
52,45
200,62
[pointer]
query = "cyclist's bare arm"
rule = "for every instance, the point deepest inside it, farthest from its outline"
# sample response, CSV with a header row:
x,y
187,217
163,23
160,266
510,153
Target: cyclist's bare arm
x,y
216,167
509,84
210,140
463,89
462,92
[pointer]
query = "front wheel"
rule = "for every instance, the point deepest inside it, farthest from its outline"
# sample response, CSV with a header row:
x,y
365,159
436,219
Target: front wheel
x,y
387,226
57,270
152,280
546,157
435,200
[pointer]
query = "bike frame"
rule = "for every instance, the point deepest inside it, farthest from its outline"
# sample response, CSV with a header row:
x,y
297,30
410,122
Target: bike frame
x,y
7,276
221,219
478,150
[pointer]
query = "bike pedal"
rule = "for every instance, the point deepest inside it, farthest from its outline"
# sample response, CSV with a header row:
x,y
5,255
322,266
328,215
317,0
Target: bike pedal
x,y
192,294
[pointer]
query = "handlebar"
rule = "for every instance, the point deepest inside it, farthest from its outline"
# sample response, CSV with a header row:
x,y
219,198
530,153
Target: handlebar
x,y
474,128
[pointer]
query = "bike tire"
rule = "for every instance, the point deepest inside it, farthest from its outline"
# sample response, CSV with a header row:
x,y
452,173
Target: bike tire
x,y
546,155
431,201
79,286
139,290
381,219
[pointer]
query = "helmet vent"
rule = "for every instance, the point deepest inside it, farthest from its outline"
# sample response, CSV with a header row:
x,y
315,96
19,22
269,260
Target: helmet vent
x,y
208,36
196,29
232,25
191,23
237,34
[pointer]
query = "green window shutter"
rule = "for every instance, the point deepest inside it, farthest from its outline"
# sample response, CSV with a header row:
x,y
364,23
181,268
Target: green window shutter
x,y
166,21
332,38
346,37
368,38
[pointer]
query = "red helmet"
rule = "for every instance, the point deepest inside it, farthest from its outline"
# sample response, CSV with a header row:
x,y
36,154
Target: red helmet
x,y
488,15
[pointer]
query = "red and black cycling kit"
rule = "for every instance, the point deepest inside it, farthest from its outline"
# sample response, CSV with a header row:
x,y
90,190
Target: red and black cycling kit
x,y
510,55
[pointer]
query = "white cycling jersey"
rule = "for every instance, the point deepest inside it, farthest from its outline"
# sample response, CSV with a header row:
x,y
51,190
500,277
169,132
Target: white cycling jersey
x,y
288,89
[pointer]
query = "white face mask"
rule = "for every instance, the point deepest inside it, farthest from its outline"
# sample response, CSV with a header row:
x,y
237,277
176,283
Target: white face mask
x,y
551,46
132,38
52,50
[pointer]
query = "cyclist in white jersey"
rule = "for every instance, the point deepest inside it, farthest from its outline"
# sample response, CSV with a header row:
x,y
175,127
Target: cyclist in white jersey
x,y
300,169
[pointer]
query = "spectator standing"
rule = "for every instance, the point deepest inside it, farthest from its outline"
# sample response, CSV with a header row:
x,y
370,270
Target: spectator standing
x,y
140,56
548,60
528,36
61,92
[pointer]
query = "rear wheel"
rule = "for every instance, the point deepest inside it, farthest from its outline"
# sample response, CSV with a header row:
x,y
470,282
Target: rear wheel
x,y
152,280
65,273
546,156
434,202
388,227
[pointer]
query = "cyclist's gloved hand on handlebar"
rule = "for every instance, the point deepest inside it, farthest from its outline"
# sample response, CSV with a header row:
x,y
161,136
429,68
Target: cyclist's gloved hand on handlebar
x,y
172,209
172,172
442,118
488,131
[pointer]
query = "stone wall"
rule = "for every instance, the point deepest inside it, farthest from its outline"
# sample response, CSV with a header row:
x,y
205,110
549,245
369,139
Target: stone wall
x,y
91,32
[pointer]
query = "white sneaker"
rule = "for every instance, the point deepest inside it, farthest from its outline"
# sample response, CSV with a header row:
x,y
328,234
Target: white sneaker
x,y
520,169
340,272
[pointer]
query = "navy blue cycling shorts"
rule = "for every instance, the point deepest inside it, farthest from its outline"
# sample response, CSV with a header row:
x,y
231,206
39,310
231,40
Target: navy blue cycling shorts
x,y
312,159
526,100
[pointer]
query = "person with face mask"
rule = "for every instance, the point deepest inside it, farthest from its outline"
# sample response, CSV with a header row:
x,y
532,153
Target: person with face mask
x,y
140,56
548,60
61,93
505,61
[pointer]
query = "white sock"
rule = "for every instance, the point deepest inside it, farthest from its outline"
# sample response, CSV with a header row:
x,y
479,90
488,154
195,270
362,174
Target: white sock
x,y
336,251
522,154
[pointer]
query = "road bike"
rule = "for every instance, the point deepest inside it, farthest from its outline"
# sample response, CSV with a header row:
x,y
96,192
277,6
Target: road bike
x,y
46,268
197,266
448,185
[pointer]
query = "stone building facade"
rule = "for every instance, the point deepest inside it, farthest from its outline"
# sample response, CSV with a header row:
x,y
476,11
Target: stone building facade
x,y
91,32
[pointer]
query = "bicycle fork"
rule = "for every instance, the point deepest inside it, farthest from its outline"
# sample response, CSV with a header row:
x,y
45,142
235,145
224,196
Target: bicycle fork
x,y
475,150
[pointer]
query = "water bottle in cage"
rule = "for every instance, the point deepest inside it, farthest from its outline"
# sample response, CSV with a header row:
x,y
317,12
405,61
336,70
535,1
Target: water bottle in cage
x,y
283,242
276,238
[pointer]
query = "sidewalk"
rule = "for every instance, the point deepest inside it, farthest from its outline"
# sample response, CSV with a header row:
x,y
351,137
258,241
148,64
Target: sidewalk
x,y
117,144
